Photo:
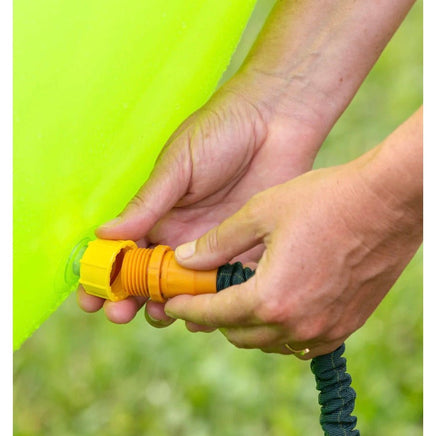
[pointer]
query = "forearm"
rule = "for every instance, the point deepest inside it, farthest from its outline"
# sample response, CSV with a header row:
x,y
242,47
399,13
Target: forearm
x,y
312,56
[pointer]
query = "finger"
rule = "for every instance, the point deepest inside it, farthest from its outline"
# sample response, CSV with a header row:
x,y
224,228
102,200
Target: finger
x,y
233,307
235,235
122,312
318,349
195,328
155,315
167,183
281,349
254,337
88,303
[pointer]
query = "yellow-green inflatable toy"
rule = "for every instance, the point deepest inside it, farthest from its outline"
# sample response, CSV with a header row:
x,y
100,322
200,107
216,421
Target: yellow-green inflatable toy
x,y
99,86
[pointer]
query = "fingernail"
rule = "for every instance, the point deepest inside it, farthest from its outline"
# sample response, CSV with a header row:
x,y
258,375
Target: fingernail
x,y
170,314
185,251
112,223
157,322
147,315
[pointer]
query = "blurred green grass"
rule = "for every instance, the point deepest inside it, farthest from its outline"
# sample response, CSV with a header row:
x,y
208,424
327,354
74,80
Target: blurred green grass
x,y
81,375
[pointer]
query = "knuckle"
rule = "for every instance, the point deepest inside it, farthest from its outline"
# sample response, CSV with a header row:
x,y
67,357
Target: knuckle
x,y
304,333
272,311
302,328
137,201
140,204
212,240
252,209
254,217
235,339
239,343
312,329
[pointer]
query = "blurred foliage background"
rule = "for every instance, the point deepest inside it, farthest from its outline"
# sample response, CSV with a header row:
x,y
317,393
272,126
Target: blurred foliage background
x,y
81,375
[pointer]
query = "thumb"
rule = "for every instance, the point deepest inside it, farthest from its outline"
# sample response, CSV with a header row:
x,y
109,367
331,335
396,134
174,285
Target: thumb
x,y
234,236
167,184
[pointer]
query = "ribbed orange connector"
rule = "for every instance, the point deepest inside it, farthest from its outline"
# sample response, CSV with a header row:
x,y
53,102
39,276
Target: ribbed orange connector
x,y
155,274
115,270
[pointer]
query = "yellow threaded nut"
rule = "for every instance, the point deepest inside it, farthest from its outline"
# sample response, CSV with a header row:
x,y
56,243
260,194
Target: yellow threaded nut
x,y
99,268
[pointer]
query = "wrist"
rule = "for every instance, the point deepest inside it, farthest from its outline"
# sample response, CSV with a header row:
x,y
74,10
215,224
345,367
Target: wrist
x,y
281,99
290,112
311,58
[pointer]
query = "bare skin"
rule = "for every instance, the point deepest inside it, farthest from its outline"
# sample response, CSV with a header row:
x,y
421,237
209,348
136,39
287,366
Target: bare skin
x,y
335,241
261,130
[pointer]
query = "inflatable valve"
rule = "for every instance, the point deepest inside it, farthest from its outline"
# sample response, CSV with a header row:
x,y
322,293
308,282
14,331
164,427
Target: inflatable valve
x,y
114,270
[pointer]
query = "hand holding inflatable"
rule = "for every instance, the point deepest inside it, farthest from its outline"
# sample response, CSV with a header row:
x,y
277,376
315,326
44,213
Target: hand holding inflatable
x,y
215,161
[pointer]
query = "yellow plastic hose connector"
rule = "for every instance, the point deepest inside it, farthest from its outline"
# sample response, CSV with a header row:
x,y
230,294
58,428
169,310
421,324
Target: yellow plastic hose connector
x,y
114,270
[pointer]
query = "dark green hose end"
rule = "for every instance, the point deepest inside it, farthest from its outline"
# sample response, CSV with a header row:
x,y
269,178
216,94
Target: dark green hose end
x,y
336,396
232,274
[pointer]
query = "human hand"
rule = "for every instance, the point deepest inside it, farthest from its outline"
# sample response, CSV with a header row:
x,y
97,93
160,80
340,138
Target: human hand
x,y
217,159
262,128
336,241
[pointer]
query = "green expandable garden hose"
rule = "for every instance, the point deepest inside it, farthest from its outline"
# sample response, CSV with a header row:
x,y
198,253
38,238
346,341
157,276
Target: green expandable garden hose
x,y
336,396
